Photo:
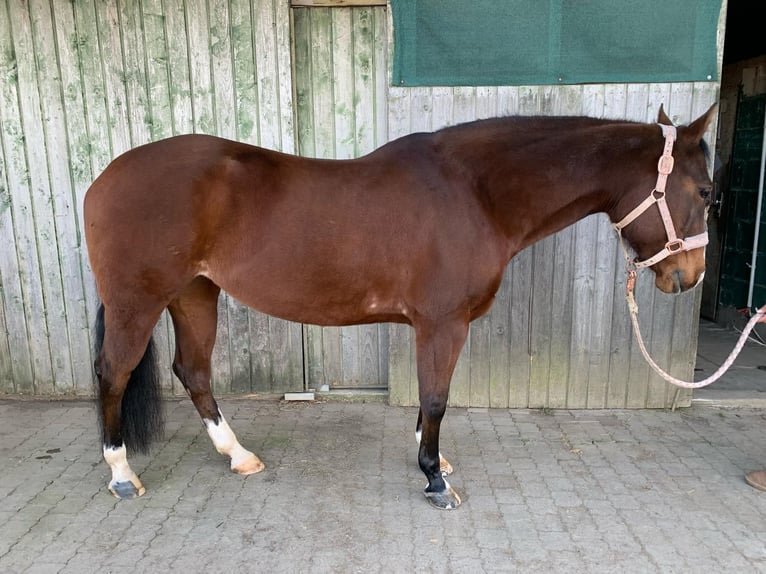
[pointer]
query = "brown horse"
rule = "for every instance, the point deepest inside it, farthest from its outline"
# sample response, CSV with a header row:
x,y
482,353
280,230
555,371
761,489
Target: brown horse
x,y
417,232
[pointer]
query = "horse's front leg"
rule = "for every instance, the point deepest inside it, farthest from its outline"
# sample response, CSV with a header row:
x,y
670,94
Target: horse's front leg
x,y
444,465
438,347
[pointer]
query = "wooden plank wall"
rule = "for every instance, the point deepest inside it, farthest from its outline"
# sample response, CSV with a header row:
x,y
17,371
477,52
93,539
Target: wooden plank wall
x,y
81,82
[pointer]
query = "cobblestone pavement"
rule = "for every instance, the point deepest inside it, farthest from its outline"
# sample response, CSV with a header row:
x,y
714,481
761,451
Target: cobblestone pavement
x,y
561,491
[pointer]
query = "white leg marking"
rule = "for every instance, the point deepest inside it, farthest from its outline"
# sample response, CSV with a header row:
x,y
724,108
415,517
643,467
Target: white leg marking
x,y
225,442
117,459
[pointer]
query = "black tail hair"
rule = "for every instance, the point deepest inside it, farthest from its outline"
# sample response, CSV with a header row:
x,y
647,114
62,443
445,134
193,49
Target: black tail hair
x,y
141,412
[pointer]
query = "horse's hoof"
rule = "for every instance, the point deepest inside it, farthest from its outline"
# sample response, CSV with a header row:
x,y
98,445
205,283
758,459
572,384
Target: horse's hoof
x,y
248,466
444,466
126,489
446,499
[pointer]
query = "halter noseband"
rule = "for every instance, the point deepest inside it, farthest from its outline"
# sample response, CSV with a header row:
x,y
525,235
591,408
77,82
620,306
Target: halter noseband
x,y
674,245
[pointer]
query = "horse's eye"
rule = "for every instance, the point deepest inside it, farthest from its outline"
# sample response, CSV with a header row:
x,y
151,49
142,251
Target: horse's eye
x,y
705,193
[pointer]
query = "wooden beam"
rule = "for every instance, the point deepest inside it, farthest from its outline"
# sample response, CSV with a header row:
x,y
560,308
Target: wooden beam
x,y
335,3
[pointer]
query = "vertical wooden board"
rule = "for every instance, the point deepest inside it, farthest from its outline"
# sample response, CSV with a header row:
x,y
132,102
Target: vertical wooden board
x,y
44,230
380,30
486,102
21,290
421,112
560,311
133,75
507,100
638,378
637,105
64,109
286,355
332,356
6,371
160,118
245,89
260,377
460,385
313,367
239,333
110,53
541,328
529,100
600,313
441,108
97,143
200,75
402,381
685,336
220,377
363,65
266,52
615,97
222,75
582,325
679,104
659,345
621,340
179,72
398,112
499,357
521,352
342,36
304,86
350,367
283,73
480,360
15,362
322,83
463,104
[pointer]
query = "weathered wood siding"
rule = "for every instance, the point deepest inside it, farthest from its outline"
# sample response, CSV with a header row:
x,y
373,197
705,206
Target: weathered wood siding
x,y
82,82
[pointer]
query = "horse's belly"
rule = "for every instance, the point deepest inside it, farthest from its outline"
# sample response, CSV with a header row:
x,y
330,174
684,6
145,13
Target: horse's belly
x,y
330,301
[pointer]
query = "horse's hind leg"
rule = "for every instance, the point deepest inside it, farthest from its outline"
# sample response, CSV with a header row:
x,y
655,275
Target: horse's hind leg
x,y
129,394
444,465
195,315
438,347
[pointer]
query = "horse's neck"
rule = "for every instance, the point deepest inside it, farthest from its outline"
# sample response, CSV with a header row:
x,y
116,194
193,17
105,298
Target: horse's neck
x,y
537,186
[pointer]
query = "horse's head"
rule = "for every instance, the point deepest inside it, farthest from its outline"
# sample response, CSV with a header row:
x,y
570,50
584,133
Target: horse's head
x,y
667,227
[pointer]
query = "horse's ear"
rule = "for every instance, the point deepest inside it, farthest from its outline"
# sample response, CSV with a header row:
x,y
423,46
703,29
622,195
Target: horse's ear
x,y
662,117
698,127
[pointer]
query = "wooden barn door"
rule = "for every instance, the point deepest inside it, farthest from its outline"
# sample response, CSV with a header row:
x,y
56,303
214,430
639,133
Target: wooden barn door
x,y
340,93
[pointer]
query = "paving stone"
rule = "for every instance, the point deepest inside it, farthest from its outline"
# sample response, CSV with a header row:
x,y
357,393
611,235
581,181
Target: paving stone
x,y
647,491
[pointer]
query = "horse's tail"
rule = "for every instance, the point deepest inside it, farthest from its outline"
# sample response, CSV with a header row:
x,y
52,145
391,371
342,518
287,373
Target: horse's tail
x,y
141,412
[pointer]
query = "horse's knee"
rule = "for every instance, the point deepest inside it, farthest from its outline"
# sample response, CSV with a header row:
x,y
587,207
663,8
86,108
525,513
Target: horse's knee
x,y
433,408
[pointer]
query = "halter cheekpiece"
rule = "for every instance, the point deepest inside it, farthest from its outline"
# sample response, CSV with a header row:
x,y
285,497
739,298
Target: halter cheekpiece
x,y
674,245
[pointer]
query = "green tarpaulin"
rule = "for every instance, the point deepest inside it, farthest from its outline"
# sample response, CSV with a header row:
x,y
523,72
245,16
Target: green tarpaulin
x,y
516,42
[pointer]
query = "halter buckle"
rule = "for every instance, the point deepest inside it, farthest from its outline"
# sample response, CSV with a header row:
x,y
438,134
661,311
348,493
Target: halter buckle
x,y
675,246
665,164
